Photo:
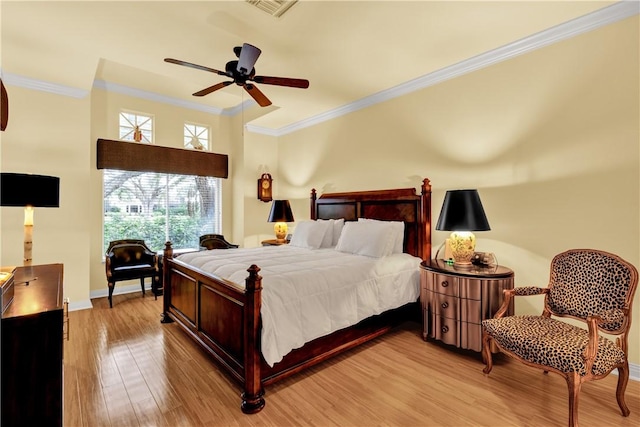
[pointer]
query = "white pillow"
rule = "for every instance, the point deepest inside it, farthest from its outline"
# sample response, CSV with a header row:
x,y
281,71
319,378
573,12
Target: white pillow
x,y
338,224
327,240
365,238
396,228
309,234
335,235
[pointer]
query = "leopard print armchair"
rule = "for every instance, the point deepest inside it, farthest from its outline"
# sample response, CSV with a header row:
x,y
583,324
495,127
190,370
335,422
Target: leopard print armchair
x,y
589,285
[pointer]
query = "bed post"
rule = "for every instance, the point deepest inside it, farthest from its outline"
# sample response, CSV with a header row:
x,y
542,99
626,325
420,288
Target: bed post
x,y
314,213
425,204
252,400
166,283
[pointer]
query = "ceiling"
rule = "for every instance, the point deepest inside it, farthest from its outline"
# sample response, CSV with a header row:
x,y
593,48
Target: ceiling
x,y
348,50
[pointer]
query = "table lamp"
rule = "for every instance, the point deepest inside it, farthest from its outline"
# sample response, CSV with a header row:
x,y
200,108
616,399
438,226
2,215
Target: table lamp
x,y
462,213
280,214
29,191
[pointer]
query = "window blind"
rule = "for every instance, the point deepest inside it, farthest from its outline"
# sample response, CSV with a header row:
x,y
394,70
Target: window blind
x,y
131,156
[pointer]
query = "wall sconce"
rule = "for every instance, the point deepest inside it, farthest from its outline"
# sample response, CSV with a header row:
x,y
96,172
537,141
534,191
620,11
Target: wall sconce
x,y
29,191
280,214
462,213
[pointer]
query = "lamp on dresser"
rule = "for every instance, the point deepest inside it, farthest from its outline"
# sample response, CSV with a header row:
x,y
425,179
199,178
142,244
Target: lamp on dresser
x,y
280,214
462,213
29,191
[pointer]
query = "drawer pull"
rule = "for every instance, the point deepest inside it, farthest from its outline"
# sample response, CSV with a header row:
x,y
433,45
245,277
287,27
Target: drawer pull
x,y
444,284
444,304
445,329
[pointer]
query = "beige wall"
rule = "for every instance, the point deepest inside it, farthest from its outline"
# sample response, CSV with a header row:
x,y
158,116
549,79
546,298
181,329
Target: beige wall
x,y
550,139
49,134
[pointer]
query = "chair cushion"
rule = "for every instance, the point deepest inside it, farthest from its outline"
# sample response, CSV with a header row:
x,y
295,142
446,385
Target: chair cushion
x,y
550,342
133,272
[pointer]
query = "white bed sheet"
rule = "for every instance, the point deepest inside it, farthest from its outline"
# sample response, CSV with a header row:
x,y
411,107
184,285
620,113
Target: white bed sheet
x,y
309,293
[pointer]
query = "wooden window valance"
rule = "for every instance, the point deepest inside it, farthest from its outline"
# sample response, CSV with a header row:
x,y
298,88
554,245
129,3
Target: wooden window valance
x,y
134,156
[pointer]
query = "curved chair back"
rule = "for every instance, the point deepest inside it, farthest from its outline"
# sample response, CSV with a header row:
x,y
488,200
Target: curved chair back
x,y
584,282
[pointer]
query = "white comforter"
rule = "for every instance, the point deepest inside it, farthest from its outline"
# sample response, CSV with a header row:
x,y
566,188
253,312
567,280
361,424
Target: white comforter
x,y
309,293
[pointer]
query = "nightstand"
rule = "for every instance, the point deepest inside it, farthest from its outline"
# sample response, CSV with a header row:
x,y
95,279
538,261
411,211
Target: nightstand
x,y
455,301
273,242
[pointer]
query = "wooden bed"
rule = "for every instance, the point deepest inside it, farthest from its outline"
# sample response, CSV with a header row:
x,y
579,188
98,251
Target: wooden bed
x,y
224,317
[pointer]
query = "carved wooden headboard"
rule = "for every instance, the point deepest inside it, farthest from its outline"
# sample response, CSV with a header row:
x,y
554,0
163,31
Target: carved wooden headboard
x,y
389,205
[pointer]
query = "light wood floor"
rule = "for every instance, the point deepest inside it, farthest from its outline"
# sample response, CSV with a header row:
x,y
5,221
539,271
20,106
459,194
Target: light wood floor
x,y
121,369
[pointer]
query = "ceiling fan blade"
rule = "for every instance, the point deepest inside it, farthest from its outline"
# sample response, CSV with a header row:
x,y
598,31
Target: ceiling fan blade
x,y
248,56
282,81
210,89
255,93
196,66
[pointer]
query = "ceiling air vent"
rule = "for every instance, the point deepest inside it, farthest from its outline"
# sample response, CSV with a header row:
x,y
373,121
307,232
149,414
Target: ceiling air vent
x,y
275,8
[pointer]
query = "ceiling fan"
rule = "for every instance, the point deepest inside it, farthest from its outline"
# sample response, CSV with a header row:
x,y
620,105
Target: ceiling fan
x,y
244,74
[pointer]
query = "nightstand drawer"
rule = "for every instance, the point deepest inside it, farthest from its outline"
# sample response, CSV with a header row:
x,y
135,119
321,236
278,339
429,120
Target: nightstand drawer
x,y
442,284
445,305
445,330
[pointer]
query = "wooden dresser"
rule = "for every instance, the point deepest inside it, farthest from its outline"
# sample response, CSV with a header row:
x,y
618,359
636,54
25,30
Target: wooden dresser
x,y
32,348
455,301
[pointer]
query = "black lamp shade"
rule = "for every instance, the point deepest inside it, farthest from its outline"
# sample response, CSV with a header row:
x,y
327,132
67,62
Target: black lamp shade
x,y
281,211
462,211
19,189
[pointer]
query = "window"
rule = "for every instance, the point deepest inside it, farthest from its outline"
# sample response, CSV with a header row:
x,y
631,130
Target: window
x,y
157,207
196,137
136,127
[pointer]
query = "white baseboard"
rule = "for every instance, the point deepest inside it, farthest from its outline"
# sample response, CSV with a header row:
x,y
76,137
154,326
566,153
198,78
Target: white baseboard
x,y
103,293
634,370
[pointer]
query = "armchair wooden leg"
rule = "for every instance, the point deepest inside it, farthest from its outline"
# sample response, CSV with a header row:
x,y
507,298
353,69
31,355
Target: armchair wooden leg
x,y
142,284
623,379
111,285
574,383
486,352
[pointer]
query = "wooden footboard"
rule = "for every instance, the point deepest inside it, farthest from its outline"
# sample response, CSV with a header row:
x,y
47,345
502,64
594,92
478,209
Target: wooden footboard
x,y
224,317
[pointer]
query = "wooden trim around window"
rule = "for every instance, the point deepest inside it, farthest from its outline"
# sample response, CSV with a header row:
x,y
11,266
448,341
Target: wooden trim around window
x,y
133,156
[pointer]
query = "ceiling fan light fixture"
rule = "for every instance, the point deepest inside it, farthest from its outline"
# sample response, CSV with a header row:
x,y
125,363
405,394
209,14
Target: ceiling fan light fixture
x,y
248,57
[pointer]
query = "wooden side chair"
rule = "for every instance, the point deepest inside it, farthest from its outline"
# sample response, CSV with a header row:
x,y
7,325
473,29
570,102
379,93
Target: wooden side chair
x,y
130,259
215,241
592,286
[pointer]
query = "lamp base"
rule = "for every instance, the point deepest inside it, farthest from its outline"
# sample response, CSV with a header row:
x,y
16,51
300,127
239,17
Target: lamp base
x,y
463,245
281,231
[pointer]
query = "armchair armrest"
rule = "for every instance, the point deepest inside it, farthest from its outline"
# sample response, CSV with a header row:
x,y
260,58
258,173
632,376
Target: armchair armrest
x,y
611,320
523,291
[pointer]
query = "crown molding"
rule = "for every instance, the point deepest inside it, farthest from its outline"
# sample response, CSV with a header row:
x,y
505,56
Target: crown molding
x,y
589,22
43,86
155,97
594,20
